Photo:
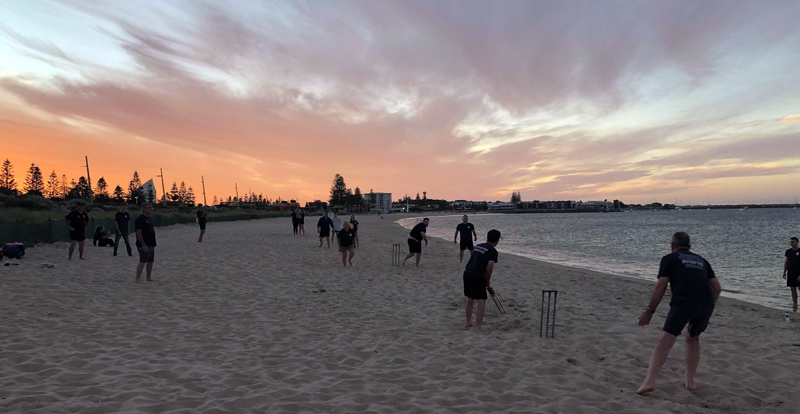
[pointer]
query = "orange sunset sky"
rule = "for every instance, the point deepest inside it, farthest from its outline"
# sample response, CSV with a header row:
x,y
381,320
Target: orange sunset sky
x,y
638,101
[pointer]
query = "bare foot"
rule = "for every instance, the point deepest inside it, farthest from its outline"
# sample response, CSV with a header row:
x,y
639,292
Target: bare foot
x,y
150,280
645,388
690,387
82,258
467,326
138,281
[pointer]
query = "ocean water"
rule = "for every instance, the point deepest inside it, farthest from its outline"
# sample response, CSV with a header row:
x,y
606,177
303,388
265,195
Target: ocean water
x,y
745,247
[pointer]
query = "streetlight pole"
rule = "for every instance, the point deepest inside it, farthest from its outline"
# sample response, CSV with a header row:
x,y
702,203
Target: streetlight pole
x,y
202,180
163,189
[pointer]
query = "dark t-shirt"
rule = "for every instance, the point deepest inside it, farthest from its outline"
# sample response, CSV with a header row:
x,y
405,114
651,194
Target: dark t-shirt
x,y
354,224
201,218
688,275
417,231
325,223
465,229
144,224
346,237
294,218
793,261
122,220
482,254
78,221
301,219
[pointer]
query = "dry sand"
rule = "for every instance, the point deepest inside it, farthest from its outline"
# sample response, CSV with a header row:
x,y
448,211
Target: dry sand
x,y
258,320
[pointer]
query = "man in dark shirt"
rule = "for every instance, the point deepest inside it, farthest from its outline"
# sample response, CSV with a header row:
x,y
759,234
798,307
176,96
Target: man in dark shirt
x,y
354,225
145,242
478,275
467,231
294,222
346,240
121,222
77,220
791,270
324,229
202,219
415,240
695,290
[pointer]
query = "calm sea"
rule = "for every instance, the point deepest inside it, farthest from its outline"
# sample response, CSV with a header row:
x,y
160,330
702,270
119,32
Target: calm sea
x,y
745,247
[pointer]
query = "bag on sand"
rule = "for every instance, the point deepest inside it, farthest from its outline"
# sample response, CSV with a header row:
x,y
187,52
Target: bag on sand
x,y
14,251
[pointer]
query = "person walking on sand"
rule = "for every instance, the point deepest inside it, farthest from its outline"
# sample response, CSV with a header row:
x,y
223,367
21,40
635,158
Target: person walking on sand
x,y
695,290
202,219
145,242
301,222
121,222
354,225
337,224
467,231
295,224
415,238
345,239
791,270
478,277
324,229
77,220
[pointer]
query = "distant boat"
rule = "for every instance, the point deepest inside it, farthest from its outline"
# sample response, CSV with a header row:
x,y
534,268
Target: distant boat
x,y
708,208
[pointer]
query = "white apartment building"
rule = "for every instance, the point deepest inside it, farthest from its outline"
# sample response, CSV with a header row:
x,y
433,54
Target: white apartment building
x,y
382,201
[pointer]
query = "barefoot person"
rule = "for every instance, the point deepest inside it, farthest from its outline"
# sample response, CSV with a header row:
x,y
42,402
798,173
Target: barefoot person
x,y
301,222
337,224
415,239
695,290
295,223
77,220
791,270
202,219
467,231
354,225
121,223
145,242
345,238
324,229
478,276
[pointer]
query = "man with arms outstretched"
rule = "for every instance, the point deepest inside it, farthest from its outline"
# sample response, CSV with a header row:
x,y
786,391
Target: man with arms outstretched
x,y
467,231
695,290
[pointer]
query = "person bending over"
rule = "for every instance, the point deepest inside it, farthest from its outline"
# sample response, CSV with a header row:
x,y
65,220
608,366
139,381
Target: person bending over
x,y
415,238
478,276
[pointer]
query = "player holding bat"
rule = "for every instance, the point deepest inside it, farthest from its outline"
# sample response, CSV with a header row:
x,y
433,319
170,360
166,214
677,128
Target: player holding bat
x,y
478,276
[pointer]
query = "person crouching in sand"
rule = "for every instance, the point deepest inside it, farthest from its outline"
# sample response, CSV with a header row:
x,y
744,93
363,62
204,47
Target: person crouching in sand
x,y
478,276
345,238
695,290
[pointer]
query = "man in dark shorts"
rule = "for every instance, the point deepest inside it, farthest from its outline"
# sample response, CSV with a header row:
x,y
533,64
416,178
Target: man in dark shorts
x,y
791,270
202,219
346,241
121,222
467,231
77,220
695,290
415,239
295,224
324,229
145,242
478,276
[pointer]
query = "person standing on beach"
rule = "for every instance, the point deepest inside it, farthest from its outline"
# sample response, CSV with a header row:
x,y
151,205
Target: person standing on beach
x,y
345,239
337,224
695,290
121,221
77,220
791,270
324,229
295,224
301,222
145,242
467,231
478,276
415,240
202,219
354,225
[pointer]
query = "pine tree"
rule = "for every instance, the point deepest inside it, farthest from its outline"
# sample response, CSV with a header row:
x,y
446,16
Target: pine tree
x,y
190,197
81,189
358,198
8,185
135,190
173,194
34,183
338,191
515,197
53,187
150,195
102,189
182,193
119,196
215,200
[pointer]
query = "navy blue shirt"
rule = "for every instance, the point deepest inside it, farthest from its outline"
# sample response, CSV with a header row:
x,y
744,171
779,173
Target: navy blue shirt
x,y
417,231
144,224
689,276
465,229
201,217
346,237
78,221
354,224
122,220
482,254
325,223
793,261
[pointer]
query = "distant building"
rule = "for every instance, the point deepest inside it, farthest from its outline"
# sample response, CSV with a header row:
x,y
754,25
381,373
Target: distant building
x,y
380,201
501,206
149,191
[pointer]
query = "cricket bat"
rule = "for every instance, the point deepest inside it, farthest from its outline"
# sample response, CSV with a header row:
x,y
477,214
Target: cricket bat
x,y
496,299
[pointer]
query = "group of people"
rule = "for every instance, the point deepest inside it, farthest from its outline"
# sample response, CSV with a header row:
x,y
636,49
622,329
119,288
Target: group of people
x,y
345,234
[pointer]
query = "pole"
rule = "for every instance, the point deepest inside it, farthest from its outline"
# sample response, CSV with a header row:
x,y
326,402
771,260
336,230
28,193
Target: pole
x,y
237,194
88,177
202,180
163,189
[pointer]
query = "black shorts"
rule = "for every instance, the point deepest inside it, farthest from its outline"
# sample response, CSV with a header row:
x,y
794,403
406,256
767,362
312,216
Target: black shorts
x,y
466,244
474,286
77,235
793,278
148,257
696,316
414,246
202,225
324,233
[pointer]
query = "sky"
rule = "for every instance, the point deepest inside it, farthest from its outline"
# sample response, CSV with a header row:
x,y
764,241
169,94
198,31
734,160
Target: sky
x,y
583,100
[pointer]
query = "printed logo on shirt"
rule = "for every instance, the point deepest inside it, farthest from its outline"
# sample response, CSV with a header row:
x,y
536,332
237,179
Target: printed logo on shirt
x,y
480,249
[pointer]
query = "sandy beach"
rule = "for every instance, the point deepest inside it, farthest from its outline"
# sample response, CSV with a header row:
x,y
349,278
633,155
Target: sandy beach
x,y
258,320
